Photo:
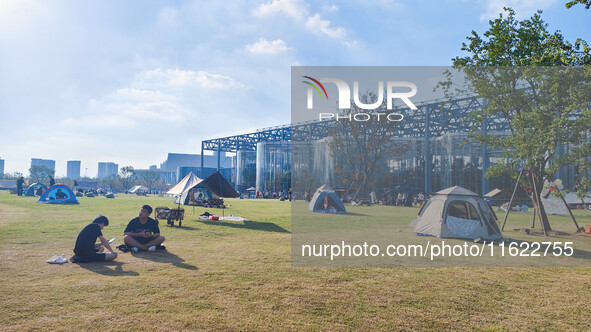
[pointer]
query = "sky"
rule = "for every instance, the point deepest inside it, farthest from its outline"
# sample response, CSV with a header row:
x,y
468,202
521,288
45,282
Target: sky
x,y
130,81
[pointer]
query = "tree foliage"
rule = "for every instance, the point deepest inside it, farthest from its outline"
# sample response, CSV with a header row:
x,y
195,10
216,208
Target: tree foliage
x,y
586,3
127,177
149,178
510,42
360,148
537,83
40,173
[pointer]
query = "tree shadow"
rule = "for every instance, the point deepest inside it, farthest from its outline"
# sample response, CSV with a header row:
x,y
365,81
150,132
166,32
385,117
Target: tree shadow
x,y
248,224
164,256
105,268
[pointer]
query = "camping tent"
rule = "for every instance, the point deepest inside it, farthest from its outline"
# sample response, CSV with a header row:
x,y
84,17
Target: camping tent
x,y
326,201
136,189
52,195
33,188
218,185
457,212
190,188
188,182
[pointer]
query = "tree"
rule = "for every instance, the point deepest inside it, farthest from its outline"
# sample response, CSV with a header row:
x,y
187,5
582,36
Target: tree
x,y
543,107
111,182
587,3
359,148
127,177
40,173
13,176
149,178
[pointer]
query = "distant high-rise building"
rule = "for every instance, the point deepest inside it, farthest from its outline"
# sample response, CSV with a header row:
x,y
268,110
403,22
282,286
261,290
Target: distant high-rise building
x,y
43,162
106,169
73,169
1,168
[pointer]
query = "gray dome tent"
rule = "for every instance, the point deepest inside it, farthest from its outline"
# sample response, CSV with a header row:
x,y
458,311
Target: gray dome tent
x,y
325,200
457,212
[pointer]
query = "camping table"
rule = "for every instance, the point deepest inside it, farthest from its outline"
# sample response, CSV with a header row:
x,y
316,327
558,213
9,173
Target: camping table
x,y
170,215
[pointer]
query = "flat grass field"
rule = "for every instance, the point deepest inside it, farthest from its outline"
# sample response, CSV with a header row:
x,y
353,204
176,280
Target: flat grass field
x,y
229,275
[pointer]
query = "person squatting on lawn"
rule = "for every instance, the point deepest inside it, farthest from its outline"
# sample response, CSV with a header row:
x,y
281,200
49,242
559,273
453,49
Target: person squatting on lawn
x,y
142,232
86,250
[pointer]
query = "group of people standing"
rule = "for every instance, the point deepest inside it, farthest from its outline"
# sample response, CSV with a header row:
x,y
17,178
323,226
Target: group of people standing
x,y
20,184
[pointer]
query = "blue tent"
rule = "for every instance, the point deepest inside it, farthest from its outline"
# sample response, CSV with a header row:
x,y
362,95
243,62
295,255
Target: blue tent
x,y
58,194
326,201
33,188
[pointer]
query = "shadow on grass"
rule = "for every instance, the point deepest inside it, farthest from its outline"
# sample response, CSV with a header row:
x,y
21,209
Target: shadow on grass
x,y
164,256
111,269
541,250
353,214
248,224
186,228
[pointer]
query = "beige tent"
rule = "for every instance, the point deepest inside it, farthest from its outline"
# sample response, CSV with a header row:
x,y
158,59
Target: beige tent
x,y
188,182
457,212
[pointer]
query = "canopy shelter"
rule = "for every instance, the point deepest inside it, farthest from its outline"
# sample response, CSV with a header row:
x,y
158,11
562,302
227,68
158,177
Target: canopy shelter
x,y
33,189
86,185
457,212
326,201
218,185
193,191
8,184
137,189
58,194
493,193
407,188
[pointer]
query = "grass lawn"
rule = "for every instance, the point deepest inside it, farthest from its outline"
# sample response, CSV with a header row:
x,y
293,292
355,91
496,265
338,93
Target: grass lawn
x,y
239,276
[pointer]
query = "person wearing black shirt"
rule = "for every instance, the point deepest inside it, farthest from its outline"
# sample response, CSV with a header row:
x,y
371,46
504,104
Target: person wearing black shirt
x,y
142,232
19,186
60,194
86,250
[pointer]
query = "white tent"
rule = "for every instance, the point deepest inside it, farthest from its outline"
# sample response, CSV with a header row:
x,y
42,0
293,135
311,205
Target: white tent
x,y
188,182
457,212
493,192
135,189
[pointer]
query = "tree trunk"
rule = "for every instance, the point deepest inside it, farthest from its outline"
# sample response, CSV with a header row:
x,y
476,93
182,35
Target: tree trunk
x,y
533,220
537,187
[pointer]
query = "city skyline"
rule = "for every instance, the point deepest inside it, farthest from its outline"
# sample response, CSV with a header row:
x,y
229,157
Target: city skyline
x,y
129,82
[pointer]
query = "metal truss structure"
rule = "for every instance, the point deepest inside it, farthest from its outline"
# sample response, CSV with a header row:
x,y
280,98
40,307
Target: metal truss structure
x,y
431,119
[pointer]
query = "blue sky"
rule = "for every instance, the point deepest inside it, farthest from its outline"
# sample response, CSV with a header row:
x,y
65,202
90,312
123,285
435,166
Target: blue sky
x,y
130,81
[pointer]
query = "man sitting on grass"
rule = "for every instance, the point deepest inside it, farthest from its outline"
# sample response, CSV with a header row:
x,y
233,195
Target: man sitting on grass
x,y
86,250
142,232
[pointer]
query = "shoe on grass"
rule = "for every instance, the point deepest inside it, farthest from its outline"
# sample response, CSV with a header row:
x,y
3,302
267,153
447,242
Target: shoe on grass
x,y
152,249
135,249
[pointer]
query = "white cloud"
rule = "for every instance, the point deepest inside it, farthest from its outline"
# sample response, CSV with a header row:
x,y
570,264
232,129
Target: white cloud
x,y
331,8
171,78
299,10
523,8
263,46
317,24
294,8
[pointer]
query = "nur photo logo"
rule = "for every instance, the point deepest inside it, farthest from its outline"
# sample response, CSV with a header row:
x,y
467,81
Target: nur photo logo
x,y
344,98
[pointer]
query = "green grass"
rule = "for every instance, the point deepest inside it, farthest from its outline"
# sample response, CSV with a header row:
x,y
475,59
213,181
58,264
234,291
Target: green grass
x,y
239,276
